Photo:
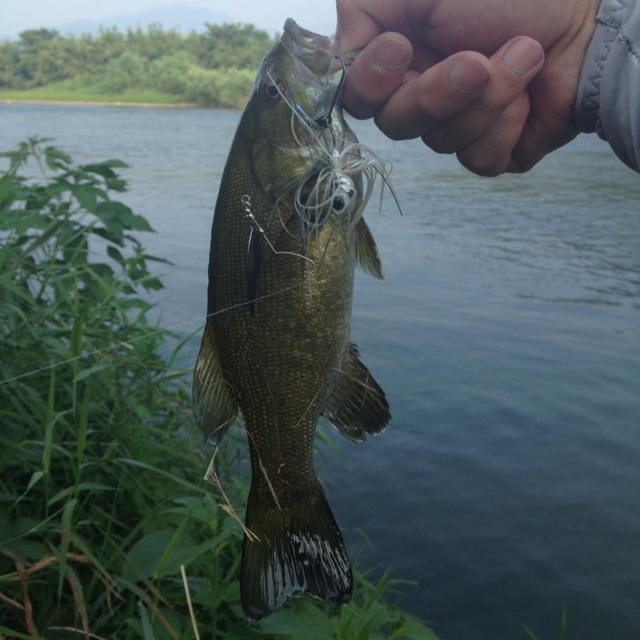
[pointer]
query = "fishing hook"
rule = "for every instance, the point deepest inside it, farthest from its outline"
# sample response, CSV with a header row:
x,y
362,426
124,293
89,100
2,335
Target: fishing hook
x,y
325,121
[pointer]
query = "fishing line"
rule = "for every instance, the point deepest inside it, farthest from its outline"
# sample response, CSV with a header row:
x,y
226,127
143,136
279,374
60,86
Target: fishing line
x,y
334,177
126,343
84,355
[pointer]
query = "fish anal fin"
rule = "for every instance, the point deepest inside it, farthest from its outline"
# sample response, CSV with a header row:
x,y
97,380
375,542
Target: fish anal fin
x,y
214,407
367,254
356,405
295,551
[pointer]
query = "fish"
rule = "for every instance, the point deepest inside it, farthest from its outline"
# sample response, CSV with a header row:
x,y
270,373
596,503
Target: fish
x,y
276,351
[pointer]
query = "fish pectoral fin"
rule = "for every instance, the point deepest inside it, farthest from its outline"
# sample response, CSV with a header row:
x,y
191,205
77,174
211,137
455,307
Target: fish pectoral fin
x,y
357,405
214,407
293,551
367,254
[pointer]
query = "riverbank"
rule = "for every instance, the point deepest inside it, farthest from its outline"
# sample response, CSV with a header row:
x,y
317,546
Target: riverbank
x,y
104,103
86,94
91,91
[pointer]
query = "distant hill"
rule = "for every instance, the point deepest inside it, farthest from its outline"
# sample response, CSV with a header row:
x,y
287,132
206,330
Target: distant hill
x,y
185,19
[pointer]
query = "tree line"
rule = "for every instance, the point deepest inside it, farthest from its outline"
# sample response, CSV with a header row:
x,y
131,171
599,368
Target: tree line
x,y
214,68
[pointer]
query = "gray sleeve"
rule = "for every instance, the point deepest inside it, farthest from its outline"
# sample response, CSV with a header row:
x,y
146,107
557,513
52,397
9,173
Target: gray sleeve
x,y
608,99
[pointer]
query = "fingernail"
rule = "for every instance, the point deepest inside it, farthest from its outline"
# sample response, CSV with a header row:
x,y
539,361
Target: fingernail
x,y
523,55
467,75
390,55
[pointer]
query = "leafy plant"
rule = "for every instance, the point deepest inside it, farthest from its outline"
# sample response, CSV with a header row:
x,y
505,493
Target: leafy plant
x,y
563,628
106,528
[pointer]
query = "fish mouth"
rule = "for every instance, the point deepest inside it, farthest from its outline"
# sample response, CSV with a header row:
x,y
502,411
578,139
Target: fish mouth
x,y
301,41
311,49
315,72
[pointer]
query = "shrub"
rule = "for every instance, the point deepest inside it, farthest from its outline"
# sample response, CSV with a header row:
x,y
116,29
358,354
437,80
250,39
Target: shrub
x,y
127,71
218,88
169,73
106,529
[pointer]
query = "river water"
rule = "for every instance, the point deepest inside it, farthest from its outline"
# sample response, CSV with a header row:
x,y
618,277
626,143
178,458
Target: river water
x,y
506,337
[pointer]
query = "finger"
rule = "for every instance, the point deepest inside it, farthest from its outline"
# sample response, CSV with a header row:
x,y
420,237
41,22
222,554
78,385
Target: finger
x,y
547,128
491,153
512,68
357,25
441,92
376,73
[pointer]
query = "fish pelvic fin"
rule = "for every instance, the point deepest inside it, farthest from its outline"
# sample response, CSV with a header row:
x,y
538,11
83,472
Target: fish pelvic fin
x,y
367,254
295,551
356,403
214,407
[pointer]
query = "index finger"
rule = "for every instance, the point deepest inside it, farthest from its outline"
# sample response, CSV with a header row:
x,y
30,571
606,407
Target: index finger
x,y
356,27
360,21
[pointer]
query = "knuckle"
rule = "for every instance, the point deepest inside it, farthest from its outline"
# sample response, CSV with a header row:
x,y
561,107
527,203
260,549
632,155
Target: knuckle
x,y
482,162
439,143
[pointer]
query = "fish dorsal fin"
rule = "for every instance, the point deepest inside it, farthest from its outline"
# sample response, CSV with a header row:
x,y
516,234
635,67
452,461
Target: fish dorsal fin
x,y
356,404
214,407
367,255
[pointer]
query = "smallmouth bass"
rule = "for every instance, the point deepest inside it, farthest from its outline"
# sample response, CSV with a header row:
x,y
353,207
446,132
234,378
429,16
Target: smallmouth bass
x,y
287,234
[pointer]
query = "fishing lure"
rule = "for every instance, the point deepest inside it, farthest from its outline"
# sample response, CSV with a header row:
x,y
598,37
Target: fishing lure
x,y
329,186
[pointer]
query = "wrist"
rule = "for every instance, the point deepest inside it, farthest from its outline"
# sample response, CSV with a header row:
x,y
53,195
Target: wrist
x,y
608,99
587,107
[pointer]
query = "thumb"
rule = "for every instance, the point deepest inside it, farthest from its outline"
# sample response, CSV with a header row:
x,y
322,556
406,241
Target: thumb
x,y
376,73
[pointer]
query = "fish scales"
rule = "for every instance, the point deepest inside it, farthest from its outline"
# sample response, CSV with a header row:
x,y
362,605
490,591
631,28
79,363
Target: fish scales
x,y
277,342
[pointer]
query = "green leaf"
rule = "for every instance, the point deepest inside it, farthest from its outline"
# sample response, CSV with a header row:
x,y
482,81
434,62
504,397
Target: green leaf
x,y
147,627
146,555
35,478
48,233
171,547
112,215
67,515
90,487
56,159
6,182
114,254
12,633
139,223
86,373
85,194
105,169
303,620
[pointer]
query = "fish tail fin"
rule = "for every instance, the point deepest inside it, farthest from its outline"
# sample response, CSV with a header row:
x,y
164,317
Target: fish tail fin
x,y
298,551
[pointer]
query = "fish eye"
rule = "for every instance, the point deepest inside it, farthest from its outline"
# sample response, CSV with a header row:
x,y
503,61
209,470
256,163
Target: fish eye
x,y
272,91
339,204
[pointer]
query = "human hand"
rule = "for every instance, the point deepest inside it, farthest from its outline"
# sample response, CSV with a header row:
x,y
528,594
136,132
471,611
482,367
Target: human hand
x,y
493,81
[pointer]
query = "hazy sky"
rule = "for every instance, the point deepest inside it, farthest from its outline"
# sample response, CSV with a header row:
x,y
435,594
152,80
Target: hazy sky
x,y
17,15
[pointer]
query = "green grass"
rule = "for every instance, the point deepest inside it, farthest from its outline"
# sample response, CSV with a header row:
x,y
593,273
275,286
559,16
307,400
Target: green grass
x,y
89,90
107,529
563,628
